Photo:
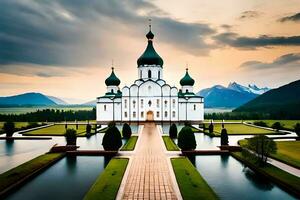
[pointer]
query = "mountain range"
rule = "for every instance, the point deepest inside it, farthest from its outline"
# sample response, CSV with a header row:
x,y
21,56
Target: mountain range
x,y
282,101
232,96
31,98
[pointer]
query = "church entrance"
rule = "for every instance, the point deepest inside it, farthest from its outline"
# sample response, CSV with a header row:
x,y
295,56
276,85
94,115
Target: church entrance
x,y
150,116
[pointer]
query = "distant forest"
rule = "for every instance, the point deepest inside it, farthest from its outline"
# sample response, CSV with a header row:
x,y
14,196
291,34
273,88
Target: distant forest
x,y
51,115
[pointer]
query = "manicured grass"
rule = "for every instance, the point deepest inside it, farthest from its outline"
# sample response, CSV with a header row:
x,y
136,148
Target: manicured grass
x,y
288,124
130,144
191,184
57,130
170,145
282,178
108,183
287,152
16,174
240,129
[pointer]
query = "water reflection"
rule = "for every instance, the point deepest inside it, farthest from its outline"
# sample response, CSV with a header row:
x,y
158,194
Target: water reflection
x,y
259,182
9,147
224,160
71,163
192,158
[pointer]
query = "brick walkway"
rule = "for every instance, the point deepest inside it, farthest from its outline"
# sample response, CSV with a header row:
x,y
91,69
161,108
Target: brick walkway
x,y
149,175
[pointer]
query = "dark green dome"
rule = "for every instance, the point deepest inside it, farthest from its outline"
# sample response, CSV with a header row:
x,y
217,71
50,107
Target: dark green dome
x,y
150,57
112,79
187,80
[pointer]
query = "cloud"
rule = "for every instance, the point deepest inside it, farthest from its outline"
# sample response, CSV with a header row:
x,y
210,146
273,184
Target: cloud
x,y
286,61
77,33
243,42
249,14
293,18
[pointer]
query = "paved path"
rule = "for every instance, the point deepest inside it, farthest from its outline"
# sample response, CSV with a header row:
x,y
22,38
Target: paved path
x,y
149,176
284,167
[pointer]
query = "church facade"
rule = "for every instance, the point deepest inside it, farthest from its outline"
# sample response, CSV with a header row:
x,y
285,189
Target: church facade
x,y
150,98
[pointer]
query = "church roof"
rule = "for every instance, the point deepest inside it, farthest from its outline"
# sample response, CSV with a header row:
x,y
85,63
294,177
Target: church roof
x,y
187,80
112,79
150,56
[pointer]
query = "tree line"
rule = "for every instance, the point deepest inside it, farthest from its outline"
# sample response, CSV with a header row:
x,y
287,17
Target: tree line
x,y
51,115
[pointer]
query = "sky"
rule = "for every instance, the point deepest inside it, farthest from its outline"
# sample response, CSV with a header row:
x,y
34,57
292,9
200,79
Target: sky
x,y
65,48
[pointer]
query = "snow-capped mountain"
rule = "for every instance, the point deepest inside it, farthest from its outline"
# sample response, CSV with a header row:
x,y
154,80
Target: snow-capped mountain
x,y
232,96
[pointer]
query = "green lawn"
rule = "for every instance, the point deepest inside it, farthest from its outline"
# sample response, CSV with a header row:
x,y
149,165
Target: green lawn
x,y
130,144
240,129
290,182
108,183
287,152
57,130
191,184
16,174
170,145
288,124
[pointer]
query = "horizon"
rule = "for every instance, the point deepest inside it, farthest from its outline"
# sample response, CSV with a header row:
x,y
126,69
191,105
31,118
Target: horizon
x,y
71,48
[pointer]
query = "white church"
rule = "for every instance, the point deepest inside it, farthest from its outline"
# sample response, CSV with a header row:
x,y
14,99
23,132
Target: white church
x,y
150,98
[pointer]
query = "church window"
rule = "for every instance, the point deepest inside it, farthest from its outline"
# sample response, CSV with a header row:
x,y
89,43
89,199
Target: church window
x,y
173,103
157,103
149,73
186,91
112,91
125,103
173,114
158,74
125,114
142,114
157,114
134,114
133,102
166,114
142,103
104,107
149,103
194,106
166,103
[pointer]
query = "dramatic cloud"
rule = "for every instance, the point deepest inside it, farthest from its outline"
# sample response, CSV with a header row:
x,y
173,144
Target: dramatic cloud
x,y
77,33
249,14
293,18
234,40
291,60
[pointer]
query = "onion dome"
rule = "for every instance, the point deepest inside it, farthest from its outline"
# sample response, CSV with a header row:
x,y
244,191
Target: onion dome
x,y
112,79
150,57
187,80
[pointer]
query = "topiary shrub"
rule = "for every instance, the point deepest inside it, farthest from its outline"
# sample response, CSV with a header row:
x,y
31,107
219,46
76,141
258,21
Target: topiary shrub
x,y
173,131
71,136
88,130
297,129
9,128
211,128
112,140
224,137
126,130
260,123
277,126
186,139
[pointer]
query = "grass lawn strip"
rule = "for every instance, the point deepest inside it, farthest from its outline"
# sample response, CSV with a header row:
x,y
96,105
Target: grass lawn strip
x,y
57,130
287,124
130,144
191,184
284,179
287,152
26,170
169,143
108,183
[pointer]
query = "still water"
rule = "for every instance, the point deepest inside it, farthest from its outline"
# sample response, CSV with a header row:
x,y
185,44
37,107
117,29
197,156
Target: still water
x,y
69,178
230,180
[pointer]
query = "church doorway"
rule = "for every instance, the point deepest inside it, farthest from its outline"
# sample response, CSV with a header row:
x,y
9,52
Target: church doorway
x,y
150,116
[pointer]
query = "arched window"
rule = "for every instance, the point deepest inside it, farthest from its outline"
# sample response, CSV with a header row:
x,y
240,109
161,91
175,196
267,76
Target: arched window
x,y
133,103
125,114
149,73
157,103
112,91
134,114
166,103
186,91
194,106
149,103
166,114
142,114
142,103
173,114
158,74
141,74
173,101
104,107
157,114
125,103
